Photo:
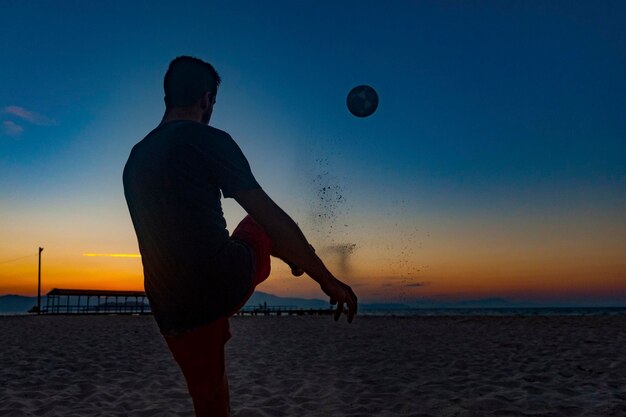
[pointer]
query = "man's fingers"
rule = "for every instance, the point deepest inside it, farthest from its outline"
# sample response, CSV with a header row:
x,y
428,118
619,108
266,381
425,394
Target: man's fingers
x,y
338,311
352,305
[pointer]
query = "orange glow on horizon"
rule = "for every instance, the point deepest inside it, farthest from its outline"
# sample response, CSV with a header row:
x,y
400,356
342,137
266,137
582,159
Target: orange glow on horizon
x,y
464,261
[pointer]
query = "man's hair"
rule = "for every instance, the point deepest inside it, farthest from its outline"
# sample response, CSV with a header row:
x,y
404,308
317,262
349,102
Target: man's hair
x,y
187,79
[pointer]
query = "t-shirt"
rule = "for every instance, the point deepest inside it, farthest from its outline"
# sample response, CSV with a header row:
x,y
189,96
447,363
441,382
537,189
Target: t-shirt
x,y
193,272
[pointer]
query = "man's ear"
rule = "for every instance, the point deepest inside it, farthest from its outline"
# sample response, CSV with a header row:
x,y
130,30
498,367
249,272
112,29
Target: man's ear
x,y
205,100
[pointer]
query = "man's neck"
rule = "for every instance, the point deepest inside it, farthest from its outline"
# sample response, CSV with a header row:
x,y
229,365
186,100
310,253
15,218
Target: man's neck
x,y
182,114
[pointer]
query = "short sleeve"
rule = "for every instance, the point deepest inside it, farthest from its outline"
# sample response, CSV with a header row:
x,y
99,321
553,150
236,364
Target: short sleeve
x,y
229,166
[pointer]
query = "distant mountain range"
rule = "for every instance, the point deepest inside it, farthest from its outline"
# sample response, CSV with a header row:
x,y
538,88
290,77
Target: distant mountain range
x,y
18,304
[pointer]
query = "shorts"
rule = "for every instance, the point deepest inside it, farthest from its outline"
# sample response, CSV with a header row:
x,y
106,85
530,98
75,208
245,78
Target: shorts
x,y
200,351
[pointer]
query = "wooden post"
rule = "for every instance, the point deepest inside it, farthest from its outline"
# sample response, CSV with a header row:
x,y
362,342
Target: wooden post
x,y
39,283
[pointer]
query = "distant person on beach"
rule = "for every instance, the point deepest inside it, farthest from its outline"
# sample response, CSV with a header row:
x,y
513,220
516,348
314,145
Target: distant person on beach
x,y
195,275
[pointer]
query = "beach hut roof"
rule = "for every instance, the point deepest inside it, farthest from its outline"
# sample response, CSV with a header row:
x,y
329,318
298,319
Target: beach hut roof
x,y
103,293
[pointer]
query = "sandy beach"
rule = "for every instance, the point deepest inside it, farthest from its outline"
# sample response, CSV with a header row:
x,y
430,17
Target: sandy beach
x,y
312,366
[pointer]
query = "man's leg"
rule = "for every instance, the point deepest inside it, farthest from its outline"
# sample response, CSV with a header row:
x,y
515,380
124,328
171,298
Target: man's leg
x,y
217,405
200,351
252,234
200,354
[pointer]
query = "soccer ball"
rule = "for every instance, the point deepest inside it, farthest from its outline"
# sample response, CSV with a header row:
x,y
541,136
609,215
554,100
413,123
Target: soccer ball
x,y
362,101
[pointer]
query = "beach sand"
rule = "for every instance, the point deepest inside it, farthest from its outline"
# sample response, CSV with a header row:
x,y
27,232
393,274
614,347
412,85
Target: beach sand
x,y
313,366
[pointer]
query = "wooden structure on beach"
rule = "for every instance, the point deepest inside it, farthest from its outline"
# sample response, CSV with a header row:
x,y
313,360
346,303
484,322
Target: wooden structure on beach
x,y
66,301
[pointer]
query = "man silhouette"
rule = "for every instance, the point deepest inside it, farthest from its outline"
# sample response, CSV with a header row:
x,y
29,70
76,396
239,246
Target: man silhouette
x,y
196,276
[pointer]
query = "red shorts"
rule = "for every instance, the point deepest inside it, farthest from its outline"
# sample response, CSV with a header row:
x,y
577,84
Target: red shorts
x,y
200,351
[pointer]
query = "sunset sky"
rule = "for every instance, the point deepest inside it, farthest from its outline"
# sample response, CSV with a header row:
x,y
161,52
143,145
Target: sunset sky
x,y
495,165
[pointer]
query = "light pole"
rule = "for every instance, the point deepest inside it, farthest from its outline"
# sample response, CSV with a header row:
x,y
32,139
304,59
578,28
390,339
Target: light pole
x,y
39,283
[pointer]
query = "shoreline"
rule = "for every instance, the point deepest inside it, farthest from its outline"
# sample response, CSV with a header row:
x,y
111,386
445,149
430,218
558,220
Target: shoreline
x,y
413,312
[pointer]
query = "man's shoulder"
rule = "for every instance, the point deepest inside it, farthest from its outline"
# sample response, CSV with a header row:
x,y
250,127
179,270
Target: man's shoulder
x,y
205,137
207,130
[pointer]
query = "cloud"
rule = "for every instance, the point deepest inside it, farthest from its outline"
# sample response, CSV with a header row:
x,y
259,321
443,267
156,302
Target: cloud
x,y
11,128
27,115
114,255
416,284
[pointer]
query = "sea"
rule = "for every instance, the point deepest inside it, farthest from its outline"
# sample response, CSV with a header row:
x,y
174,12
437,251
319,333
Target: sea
x,y
510,312
504,311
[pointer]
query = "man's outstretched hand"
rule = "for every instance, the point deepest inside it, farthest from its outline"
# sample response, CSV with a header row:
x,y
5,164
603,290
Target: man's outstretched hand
x,y
339,294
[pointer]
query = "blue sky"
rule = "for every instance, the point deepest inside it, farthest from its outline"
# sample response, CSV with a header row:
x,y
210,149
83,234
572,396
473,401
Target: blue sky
x,y
500,124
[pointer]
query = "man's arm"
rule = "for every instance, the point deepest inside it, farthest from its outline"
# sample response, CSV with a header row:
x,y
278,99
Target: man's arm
x,y
289,244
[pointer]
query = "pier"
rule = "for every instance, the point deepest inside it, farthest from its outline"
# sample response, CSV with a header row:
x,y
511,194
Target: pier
x,y
72,301
278,310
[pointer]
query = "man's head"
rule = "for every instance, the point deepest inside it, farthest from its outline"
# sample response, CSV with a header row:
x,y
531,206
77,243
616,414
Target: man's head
x,y
191,84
